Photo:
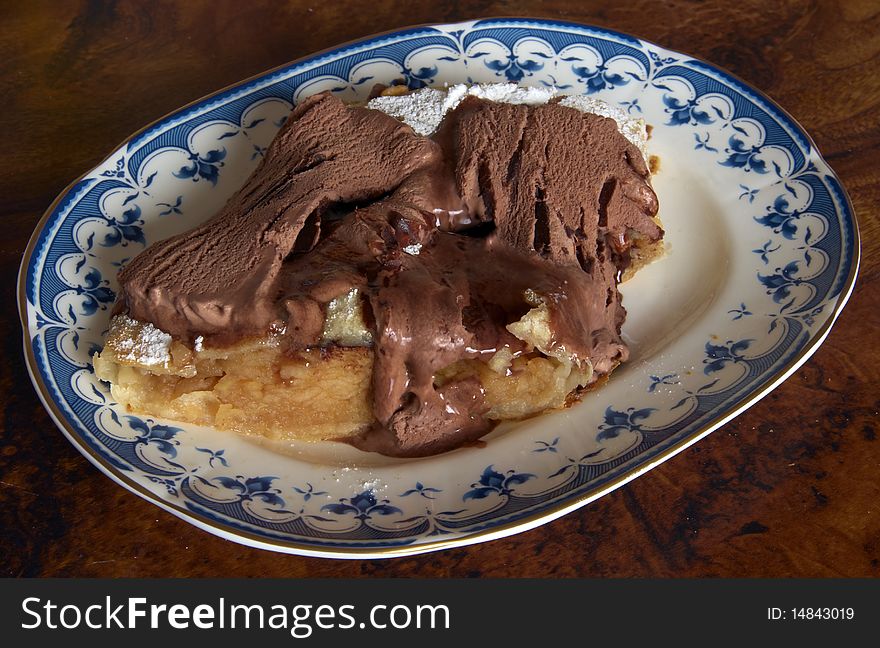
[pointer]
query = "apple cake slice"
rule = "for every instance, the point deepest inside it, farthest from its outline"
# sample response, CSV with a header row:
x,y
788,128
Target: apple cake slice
x,y
399,287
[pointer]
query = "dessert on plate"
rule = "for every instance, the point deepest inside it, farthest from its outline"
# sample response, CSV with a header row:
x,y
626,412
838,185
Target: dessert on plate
x,y
399,275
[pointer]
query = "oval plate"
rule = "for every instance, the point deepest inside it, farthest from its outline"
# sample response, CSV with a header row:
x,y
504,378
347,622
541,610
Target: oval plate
x,y
763,254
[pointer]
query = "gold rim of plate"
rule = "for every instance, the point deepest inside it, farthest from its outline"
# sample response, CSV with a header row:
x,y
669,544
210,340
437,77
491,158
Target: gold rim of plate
x,y
414,547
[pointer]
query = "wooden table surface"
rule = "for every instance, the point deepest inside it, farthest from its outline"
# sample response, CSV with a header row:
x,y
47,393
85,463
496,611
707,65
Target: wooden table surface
x,y
789,488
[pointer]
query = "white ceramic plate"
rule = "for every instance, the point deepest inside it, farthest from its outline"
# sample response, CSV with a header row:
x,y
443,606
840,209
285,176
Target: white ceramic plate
x,y
763,255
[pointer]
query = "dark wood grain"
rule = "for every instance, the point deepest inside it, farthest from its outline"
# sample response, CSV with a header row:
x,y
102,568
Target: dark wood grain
x,y
790,488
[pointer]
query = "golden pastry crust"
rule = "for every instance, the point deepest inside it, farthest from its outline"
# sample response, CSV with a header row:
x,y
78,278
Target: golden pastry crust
x,y
252,388
256,388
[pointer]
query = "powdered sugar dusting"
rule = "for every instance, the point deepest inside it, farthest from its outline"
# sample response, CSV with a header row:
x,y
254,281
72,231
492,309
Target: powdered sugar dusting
x,y
424,109
149,346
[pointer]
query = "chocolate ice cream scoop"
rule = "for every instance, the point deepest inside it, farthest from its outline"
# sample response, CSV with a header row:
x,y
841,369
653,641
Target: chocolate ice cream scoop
x,y
448,239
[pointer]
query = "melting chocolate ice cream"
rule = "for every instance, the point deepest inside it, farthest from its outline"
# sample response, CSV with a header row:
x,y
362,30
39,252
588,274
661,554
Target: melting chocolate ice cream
x,y
442,236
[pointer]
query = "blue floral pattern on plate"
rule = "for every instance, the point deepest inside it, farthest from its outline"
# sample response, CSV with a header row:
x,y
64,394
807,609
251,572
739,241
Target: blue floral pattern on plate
x,y
793,241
